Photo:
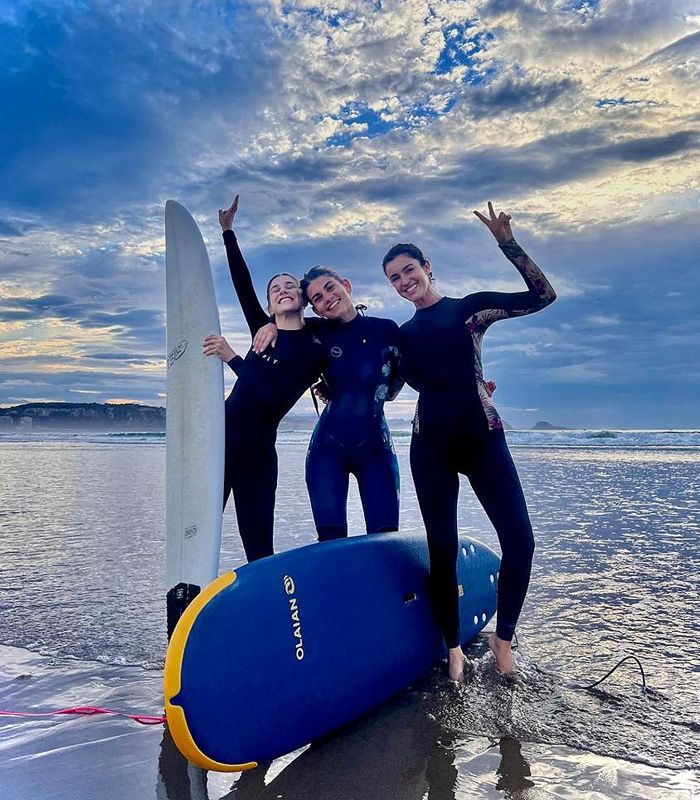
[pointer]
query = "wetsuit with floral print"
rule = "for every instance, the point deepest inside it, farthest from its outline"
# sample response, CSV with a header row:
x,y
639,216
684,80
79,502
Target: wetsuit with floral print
x,y
457,429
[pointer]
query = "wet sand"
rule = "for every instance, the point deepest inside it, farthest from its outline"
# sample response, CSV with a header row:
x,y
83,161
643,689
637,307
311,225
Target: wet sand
x,y
401,752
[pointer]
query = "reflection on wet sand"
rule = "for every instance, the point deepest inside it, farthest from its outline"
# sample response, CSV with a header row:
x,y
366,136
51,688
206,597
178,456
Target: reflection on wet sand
x,y
513,771
177,778
398,753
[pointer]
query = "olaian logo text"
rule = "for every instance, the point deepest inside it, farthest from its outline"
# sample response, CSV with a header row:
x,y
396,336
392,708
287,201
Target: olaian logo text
x,y
290,589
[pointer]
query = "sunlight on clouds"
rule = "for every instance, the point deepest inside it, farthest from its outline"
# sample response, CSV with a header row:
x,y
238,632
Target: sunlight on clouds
x,y
276,232
373,302
622,195
34,285
59,346
148,247
122,401
557,66
54,338
8,330
370,220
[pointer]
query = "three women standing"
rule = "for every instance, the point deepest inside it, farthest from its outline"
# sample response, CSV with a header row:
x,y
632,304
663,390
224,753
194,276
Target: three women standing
x,y
458,430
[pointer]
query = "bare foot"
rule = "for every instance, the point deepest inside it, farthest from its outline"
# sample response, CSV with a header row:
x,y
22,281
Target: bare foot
x,y
505,662
455,664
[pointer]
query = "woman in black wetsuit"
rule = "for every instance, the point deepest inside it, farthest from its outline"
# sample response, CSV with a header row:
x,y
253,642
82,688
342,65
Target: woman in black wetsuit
x,y
269,383
458,430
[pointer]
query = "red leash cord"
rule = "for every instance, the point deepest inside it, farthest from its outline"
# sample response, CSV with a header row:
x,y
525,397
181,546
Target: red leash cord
x,y
87,711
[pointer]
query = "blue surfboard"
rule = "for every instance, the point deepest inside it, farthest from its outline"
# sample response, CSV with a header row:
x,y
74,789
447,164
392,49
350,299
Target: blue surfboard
x,y
289,648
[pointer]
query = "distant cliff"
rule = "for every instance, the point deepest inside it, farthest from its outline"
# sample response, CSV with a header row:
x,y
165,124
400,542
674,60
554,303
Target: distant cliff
x,y
82,416
547,426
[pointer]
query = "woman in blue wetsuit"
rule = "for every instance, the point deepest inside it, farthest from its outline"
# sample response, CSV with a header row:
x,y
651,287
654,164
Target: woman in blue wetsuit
x,y
458,430
352,436
269,383
360,373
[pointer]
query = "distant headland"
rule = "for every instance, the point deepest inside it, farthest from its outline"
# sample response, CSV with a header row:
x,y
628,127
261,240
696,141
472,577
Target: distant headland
x,y
82,416
136,417
547,426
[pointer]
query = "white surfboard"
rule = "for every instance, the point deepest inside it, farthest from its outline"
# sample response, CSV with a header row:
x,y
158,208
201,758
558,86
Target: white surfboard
x,y
195,416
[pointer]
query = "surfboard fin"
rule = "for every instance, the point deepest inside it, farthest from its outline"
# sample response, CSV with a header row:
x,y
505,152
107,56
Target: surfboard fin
x,y
178,598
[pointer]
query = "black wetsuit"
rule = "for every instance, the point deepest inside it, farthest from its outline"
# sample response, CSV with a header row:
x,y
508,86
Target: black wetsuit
x,y
458,430
267,387
352,436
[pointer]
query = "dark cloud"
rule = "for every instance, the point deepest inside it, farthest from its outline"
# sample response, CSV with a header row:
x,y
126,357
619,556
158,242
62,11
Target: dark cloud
x,y
514,94
104,108
132,322
652,147
98,388
494,8
503,171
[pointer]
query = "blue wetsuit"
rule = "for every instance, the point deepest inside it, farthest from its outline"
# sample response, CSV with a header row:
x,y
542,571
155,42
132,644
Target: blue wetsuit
x,y
458,430
267,387
352,436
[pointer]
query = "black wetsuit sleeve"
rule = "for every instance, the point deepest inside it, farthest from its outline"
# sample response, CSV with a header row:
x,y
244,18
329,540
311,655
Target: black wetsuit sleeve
x,y
492,306
254,314
236,364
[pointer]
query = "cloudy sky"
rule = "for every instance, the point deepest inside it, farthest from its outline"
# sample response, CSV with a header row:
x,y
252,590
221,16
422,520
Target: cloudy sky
x,y
347,126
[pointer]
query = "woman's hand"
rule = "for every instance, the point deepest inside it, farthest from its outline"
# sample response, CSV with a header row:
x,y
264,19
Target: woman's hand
x,y
226,215
218,346
498,225
265,337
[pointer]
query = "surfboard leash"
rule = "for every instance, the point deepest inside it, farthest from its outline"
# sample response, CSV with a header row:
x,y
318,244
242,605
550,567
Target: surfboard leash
x,y
87,711
610,672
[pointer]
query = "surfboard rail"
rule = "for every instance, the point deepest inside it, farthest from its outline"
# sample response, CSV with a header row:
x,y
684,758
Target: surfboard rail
x,y
177,721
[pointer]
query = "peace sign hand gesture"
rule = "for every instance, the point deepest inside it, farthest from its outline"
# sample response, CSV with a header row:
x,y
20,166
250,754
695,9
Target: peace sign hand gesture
x,y
226,216
498,225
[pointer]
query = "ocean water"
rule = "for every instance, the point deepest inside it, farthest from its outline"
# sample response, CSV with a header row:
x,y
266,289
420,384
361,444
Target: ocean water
x,y
617,524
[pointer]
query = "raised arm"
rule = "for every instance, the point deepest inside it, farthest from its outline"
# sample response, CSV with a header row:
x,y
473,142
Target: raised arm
x,y
254,313
499,305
